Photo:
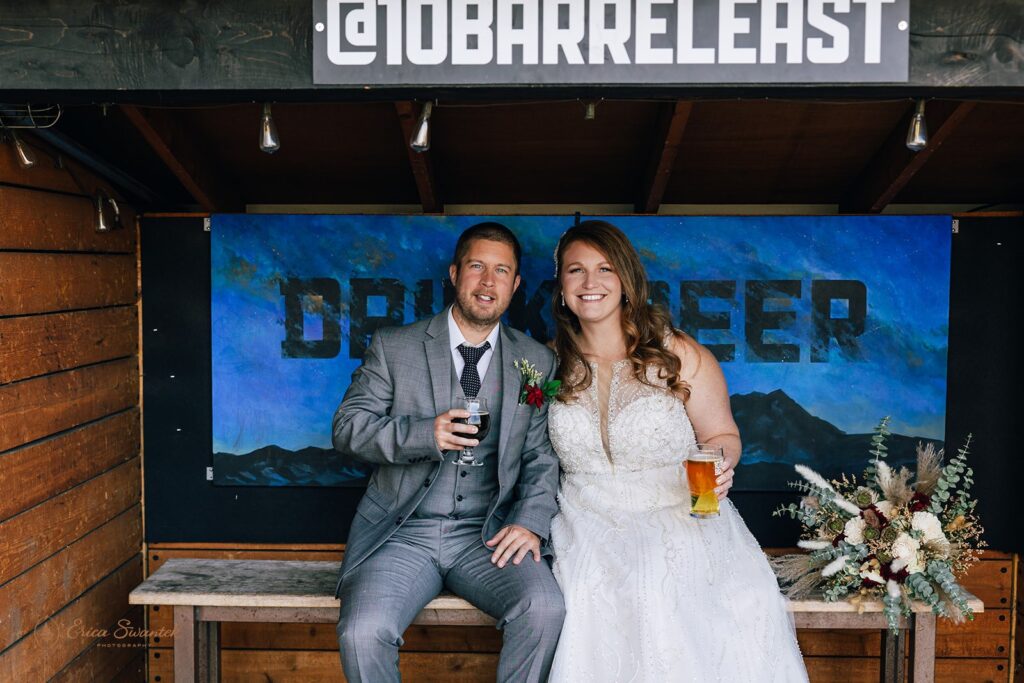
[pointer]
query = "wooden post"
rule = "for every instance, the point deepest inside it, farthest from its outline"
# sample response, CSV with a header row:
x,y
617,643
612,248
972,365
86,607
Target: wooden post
x,y
185,644
892,668
923,648
208,651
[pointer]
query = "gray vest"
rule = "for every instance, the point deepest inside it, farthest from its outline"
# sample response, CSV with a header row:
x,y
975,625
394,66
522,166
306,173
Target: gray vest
x,y
466,492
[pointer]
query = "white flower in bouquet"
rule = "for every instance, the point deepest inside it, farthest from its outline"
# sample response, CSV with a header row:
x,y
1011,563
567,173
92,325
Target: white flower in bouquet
x,y
872,571
912,564
929,526
885,507
854,530
905,546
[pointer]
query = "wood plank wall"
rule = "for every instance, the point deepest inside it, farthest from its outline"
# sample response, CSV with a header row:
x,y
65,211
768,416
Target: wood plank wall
x,y
975,652
70,444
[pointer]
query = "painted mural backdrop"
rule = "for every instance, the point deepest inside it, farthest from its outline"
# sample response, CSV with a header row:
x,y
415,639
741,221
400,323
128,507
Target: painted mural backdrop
x,y
822,324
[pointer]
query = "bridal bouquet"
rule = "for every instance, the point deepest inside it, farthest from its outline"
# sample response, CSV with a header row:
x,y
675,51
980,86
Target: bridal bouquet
x,y
896,535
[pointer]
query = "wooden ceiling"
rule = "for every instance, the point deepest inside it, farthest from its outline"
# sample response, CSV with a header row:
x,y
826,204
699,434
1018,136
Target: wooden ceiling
x,y
641,153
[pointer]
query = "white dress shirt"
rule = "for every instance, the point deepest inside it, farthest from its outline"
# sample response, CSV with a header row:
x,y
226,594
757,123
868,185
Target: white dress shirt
x,y
455,338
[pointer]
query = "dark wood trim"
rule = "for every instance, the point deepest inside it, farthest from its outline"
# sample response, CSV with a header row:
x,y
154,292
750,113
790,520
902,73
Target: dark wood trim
x,y
663,158
173,214
155,48
422,166
893,165
181,153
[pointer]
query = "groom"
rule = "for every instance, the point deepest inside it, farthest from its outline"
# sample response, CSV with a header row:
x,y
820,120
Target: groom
x,y
425,524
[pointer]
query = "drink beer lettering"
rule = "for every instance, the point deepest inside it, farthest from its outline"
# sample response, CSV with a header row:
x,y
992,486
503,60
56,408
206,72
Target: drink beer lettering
x,y
702,466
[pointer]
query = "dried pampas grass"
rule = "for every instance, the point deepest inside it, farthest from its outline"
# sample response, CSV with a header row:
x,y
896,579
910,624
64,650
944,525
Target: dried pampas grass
x,y
929,468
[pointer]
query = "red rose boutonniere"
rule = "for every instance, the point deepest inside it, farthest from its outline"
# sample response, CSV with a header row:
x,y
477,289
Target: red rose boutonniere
x,y
533,392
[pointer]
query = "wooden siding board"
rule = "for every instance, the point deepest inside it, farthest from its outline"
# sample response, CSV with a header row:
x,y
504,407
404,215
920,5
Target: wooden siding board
x,y
46,282
47,174
103,661
31,597
36,345
35,473
36,408
35,534
48,649
34,220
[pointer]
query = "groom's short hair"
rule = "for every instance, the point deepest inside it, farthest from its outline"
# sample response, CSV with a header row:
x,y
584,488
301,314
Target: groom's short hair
x,y
488,230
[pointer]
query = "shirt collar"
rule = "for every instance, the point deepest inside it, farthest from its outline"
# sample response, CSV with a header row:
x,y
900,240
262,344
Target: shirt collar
x,y
455,336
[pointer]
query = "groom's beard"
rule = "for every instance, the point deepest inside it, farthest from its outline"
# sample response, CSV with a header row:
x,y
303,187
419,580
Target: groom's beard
x,y
477,315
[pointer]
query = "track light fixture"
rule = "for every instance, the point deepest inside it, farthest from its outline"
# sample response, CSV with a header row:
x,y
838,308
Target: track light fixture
x,y
420,141
590,108
26,157
108,213
269,141
917,133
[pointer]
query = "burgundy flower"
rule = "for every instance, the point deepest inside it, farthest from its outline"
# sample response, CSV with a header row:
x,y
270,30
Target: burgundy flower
x,y
919,502
899,577
868,583
874,517
534,396
835,541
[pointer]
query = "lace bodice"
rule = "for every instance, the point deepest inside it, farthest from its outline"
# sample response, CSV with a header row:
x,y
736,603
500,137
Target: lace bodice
x,y
621,425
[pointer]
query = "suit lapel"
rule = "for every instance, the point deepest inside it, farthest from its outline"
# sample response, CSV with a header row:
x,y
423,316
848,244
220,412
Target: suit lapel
x,y
439,361
510,386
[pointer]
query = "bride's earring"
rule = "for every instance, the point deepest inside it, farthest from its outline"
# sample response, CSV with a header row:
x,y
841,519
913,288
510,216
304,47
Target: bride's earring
x,y
563,301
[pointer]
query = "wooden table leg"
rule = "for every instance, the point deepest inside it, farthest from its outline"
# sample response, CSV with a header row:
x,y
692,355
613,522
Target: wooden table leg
x,y
185,641
922,648
894,649
208,652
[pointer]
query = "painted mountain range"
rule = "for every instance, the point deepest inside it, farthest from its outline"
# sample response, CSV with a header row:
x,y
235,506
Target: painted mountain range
x,y
777,433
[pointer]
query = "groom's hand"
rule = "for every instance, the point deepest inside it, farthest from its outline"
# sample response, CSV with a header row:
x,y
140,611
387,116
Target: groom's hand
x,y
447,433
514,542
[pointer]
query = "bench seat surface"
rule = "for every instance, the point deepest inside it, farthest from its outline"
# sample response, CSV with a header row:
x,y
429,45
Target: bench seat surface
x,y
302,583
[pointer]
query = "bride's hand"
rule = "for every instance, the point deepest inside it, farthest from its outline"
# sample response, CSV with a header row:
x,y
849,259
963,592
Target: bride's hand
x,y
724,480
514,540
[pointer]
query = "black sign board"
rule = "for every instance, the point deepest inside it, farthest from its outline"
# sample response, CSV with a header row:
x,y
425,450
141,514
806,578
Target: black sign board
x,y
576,42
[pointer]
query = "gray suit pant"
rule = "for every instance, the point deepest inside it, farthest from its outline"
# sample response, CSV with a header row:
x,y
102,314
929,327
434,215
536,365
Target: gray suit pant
x,y
381,597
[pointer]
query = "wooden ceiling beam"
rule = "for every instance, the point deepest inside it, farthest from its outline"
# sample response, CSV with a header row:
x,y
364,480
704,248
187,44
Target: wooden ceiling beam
x,y
420,162
672,125
183,156
893,165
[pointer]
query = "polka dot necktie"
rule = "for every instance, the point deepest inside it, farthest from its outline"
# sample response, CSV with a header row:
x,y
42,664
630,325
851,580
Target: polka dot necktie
x,y
470,379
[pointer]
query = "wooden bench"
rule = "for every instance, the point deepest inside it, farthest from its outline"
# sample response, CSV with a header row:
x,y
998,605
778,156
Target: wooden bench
x,y
204,593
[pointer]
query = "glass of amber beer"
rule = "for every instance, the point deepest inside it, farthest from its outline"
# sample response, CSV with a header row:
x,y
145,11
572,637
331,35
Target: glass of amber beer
x,y
703,464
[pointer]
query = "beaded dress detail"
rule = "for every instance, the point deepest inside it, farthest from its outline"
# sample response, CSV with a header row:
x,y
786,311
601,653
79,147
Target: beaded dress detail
x,y
653,595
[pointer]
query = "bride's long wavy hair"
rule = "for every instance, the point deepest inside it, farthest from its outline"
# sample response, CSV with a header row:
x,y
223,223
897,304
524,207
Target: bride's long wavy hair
x,y
644,325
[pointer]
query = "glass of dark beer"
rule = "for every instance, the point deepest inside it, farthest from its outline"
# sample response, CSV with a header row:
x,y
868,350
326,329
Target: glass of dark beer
x,y
479,417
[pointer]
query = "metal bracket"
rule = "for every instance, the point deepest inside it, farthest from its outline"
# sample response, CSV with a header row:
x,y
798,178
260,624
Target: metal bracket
x,y
206,224
209,474
956,226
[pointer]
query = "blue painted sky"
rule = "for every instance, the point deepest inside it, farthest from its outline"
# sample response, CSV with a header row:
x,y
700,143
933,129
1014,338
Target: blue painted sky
x,y
261,398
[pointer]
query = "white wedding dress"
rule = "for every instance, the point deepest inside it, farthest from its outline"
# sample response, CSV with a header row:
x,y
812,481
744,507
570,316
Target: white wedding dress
x,y
653,595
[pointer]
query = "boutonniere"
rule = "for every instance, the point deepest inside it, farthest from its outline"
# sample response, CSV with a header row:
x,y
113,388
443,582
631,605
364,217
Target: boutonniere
x,y
532,392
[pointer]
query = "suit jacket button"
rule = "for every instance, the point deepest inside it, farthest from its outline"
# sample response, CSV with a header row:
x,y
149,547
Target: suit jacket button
x,y
426,483
398,522
463,473
458,498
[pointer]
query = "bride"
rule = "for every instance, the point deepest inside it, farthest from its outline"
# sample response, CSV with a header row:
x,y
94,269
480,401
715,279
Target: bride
x,y
651,594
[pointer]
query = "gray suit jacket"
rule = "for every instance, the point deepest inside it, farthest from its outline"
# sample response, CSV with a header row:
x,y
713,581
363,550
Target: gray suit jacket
x,y
387,419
